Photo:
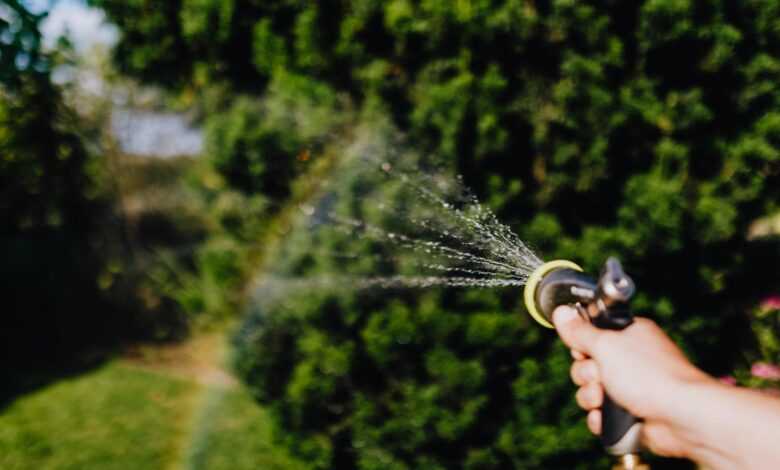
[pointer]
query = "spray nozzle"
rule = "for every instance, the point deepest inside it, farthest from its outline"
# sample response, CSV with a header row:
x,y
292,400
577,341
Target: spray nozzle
x,y
605,302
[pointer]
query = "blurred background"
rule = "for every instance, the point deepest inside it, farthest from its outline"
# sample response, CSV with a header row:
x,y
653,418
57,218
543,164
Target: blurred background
x,y
157,163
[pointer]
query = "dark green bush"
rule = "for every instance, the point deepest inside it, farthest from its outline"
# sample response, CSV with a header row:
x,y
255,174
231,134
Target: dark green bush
x,y
51,233
257,145
644,129
49,211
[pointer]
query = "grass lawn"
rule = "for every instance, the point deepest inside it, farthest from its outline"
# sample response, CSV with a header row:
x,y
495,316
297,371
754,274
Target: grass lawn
x,y
113,417
234,433
120,416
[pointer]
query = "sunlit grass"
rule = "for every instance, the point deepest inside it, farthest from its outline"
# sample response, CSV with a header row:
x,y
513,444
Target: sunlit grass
x,y
111,418
120,416
234,433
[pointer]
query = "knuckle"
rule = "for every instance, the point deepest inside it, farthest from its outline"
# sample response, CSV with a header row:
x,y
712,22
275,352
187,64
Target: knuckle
x,y
594,395
645,324
566,330
589,396
584,372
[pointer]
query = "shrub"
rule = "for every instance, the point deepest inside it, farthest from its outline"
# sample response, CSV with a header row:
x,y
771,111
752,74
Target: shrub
x,y
50,235
644,129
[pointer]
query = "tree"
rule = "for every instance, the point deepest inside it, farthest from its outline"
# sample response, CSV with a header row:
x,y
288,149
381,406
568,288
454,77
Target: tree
x,y
50,208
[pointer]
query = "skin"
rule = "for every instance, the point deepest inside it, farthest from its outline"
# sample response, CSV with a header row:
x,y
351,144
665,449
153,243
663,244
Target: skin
x,y
686,412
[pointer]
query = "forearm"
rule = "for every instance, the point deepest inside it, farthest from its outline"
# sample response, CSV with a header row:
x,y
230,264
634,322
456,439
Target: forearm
x,y
729,427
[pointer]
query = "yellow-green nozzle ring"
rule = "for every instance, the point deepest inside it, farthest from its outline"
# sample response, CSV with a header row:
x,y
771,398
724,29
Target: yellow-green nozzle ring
x,y
529,293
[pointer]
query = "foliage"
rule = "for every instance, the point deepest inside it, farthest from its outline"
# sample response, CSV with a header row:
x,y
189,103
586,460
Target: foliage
x,y
235,434
399,379
766,328
63,241
155,226
258,150
50,234
645,129
763,370
20,46
259,146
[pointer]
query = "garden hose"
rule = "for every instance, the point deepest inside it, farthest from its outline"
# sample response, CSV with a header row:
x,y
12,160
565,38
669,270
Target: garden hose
x,y
605,303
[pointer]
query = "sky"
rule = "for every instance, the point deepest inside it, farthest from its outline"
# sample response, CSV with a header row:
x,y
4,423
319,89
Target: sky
x,y
86,26
155,134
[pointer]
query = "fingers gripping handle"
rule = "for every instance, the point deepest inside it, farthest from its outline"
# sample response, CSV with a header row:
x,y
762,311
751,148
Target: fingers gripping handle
x,y
620,430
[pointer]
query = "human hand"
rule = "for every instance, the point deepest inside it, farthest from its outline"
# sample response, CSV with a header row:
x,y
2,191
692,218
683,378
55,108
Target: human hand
x,y
641,369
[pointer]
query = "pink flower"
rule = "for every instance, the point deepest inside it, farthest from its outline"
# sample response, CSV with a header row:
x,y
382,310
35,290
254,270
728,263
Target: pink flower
x,y
763,370
771,303
728,380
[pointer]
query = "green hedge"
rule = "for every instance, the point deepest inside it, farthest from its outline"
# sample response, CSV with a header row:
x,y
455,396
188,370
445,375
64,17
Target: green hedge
x,y
644,129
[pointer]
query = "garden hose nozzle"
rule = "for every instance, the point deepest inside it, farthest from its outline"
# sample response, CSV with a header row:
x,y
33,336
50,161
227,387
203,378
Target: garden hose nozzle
x,y
605,303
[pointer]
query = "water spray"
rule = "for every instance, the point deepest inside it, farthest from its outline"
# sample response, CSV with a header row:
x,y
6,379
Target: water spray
x,y
605,303
461,243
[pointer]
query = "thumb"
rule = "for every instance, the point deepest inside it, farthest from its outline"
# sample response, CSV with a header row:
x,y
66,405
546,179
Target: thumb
x,y
577,333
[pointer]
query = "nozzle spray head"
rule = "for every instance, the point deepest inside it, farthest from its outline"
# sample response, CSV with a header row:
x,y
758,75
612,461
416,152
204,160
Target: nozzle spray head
x,y
604,300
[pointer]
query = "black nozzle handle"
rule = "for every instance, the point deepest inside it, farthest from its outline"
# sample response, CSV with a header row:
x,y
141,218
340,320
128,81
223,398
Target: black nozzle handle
x,y
620,430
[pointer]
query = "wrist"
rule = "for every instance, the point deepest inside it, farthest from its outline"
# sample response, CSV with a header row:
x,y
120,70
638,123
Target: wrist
x,y
727,427
698,422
